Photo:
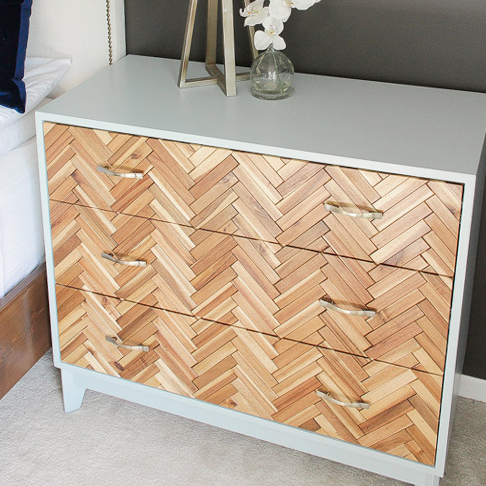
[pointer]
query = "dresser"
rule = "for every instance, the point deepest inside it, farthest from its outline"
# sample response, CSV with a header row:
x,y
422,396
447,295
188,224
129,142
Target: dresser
x,y
298,271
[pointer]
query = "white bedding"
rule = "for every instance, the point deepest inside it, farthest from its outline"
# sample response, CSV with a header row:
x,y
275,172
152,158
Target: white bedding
x,y
21,239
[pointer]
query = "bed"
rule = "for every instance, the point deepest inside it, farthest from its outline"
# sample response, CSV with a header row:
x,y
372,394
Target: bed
x,y
59,55
24,325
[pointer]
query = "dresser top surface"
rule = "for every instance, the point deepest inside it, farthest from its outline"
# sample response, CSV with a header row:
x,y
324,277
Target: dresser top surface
x,y
335,120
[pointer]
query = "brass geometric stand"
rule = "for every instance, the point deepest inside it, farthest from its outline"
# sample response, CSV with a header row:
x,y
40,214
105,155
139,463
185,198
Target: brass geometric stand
x,y
227,80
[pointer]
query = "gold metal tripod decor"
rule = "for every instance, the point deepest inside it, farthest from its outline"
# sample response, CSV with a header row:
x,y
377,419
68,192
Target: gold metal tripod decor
x,y
227,80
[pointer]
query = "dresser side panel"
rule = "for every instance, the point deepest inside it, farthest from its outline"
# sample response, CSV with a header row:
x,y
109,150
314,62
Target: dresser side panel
x,y
46,220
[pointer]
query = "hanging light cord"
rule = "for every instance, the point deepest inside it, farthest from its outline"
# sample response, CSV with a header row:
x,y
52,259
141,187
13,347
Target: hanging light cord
x,y
108,24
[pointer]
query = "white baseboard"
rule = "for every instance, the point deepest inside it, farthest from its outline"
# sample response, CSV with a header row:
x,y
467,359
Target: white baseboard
x,y
473,388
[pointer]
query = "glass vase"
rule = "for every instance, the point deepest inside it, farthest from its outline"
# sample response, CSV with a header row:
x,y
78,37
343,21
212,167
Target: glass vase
x,y
271,75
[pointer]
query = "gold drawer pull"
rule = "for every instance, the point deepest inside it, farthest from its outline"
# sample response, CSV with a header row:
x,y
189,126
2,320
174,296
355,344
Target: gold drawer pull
x,y
139,347
334,208
326,396
128,263
123,175
333,306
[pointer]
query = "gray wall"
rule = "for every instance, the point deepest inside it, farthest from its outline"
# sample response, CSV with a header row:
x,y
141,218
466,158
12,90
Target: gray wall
x,y
438,43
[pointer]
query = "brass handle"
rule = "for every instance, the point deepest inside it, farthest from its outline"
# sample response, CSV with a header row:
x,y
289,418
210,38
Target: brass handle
x,y
128,263
139,347
334,307
326,396
334,208
123,175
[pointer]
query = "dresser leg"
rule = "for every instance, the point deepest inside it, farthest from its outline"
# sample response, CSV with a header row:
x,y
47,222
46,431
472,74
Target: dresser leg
x,y
72,394
429,480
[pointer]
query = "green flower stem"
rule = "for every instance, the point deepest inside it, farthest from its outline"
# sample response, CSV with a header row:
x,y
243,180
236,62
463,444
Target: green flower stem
x,y
276,68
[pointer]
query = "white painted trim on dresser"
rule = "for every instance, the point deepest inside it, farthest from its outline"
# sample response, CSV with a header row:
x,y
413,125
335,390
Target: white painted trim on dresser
x,y
473,388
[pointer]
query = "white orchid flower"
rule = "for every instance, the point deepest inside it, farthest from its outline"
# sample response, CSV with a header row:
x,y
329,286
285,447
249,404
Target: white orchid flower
x,y
273,27
281,9
255,13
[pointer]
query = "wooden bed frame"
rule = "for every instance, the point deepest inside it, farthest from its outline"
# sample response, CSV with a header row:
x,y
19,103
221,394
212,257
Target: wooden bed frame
x,y
24,328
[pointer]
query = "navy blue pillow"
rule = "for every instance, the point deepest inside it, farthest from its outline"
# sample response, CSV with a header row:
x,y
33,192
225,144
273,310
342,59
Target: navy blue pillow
x,y
14,30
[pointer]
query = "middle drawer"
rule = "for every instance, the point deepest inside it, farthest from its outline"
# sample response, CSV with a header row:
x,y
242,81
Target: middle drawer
x,y
383,313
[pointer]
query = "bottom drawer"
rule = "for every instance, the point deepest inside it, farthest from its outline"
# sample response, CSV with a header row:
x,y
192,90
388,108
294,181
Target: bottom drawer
x,y
378,405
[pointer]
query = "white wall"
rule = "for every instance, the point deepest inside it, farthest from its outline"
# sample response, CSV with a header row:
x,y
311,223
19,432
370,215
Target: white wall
x,y
76,29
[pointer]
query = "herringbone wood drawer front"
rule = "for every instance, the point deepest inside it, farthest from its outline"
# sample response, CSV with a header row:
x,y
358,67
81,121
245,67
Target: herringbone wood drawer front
x,y
257,285
272,378
263,197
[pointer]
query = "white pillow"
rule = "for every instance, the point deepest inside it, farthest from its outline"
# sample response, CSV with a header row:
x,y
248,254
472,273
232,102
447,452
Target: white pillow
x,y
41,76
20,130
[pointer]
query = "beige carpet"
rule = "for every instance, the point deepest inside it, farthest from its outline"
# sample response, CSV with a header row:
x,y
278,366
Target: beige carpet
x,y
110,442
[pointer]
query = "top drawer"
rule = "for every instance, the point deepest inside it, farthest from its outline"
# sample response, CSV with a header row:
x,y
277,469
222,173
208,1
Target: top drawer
x,y
397,220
